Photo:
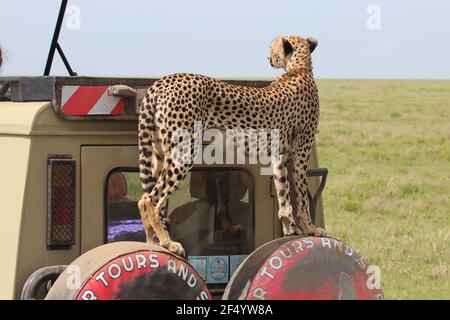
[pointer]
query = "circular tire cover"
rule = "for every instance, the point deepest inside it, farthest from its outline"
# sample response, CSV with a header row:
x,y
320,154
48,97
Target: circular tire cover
x,y
128,271
304,268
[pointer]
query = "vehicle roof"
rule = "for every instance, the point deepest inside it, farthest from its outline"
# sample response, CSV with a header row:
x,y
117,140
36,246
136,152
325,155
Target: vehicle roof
x,y
28,118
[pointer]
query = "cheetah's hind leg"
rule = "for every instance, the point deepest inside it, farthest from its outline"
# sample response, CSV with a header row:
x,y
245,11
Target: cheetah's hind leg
x,y
153,223
168,243
145,219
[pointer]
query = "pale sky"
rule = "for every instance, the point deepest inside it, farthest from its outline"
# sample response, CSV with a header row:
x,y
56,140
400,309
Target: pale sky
x,y
229,38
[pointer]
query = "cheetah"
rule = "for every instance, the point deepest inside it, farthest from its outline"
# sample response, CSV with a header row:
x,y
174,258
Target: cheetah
x,y
289,104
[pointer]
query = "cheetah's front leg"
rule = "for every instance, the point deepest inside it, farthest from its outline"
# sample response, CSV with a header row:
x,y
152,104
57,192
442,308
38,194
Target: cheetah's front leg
x,y
301,156
282,187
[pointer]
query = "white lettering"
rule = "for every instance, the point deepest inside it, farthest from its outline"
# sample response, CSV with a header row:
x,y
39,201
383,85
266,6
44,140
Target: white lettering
x,y
130,267
286,256
141,261
326,242
309,243
101,277
203,296
362,263
264,272
114,275
192,281
88,295
297,246
278,265
337,244
348,250
153,258
183,272
259,293
171,266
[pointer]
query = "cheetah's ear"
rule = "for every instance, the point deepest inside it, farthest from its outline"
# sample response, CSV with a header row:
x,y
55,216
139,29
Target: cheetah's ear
x,y
287,47
312,42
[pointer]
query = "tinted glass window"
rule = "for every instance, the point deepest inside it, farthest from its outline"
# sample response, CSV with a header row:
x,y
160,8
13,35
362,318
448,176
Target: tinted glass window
x,y
211,214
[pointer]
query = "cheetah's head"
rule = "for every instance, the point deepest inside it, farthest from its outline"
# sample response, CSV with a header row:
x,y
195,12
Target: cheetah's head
x,y
290,52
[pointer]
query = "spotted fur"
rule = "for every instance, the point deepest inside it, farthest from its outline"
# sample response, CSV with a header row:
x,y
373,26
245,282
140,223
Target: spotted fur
x,y
289,104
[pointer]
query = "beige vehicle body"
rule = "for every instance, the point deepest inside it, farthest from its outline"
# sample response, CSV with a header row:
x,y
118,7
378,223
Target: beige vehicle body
x,y
31,132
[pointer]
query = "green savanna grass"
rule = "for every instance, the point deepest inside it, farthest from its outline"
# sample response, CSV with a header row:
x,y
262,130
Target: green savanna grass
x,y
387,147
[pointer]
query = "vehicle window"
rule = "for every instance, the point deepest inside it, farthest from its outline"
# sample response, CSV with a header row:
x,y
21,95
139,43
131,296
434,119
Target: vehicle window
x,y
123,218
211,214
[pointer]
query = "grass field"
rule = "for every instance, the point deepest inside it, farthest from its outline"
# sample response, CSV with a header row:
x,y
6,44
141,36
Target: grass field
x,y
387,147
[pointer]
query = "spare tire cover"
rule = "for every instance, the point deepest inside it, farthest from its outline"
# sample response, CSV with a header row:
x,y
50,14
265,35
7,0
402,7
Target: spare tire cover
x,y
127,271
304,268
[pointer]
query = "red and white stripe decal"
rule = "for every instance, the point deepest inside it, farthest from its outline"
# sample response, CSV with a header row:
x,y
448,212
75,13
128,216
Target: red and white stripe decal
x,y
90,100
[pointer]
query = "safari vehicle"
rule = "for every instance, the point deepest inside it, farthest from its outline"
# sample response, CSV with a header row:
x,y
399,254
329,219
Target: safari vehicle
x,y
70,181
69,191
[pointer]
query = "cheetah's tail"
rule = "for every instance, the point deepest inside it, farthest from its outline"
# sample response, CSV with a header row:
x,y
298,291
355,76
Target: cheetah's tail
x,y
147,161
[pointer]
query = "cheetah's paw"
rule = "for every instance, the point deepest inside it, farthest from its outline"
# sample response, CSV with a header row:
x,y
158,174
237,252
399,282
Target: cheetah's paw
x,y
319,232
175,247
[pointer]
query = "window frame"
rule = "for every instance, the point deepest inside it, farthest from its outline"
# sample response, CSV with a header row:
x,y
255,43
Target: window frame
x,y
251,195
